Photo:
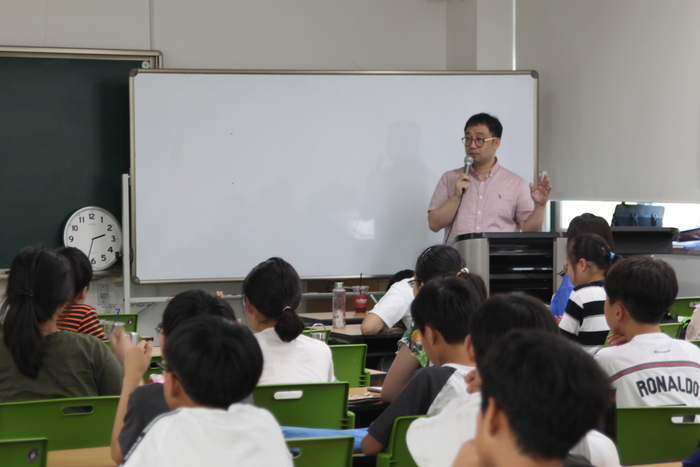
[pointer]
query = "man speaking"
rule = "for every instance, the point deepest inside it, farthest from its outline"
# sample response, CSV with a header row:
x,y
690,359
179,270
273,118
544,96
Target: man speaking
x,y
482,196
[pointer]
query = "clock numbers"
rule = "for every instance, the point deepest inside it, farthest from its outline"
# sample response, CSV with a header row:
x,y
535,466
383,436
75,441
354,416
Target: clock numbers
x,y
74,228
81,219
70,239
109,227
91,216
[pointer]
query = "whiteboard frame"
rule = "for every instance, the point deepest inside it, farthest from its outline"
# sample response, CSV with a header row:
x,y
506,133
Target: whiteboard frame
x,y
133,238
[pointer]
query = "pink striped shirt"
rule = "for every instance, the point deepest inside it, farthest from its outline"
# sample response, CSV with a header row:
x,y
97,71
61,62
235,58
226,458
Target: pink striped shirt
x,y
496,204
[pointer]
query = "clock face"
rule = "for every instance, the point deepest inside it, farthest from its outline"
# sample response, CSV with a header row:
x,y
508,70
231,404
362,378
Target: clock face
x,y
97,233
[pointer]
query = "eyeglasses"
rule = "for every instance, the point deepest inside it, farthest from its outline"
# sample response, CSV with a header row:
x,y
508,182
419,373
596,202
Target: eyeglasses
x,y
244,301
159,328
413,282
479,142
162,366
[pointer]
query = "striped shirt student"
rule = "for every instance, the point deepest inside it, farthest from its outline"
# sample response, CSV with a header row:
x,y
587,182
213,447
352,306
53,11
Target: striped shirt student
x,y
584,318
82,318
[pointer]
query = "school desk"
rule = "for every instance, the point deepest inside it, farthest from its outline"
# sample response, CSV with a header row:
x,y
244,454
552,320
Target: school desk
x,y
87,457
326,318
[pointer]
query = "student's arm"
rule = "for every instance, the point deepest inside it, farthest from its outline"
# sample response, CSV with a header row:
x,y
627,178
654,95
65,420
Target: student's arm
x,y
370,445
135,365
405,364
372,324
571,320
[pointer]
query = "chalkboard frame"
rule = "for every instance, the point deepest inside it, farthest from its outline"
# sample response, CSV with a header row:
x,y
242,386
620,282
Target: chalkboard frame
x,y
136,179
89,59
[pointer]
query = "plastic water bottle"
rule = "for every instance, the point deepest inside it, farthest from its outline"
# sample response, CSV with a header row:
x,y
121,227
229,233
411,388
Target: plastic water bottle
x,y
339,306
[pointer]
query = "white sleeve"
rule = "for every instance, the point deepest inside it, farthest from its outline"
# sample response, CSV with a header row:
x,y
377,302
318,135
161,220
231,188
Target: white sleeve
x,y
598,449
395,305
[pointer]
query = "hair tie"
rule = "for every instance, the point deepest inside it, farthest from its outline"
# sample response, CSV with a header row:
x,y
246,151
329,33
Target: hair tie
x,y
462,272
26,293
286,309
612,256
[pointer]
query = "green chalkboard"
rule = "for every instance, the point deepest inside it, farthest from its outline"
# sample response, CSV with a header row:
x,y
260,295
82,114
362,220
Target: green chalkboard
x,y
64,140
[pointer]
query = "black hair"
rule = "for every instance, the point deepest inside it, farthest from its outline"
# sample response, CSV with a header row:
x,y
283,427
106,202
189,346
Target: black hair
x,y
446,305
505,312
38,284
551,391
217,361
399,276
590,223
592,248
646,287
438,260
273,287
477,282
491,122
187,305
80,268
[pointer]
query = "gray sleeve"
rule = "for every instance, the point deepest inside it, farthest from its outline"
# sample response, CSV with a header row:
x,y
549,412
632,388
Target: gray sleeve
x,y
145,404
415,399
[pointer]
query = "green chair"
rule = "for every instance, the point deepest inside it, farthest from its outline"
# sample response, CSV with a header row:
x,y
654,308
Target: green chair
x,y
309,405
647,435
697,343
307,332
684,306
349,364
130,320
23,452
328,452
397,453
671,329
81,422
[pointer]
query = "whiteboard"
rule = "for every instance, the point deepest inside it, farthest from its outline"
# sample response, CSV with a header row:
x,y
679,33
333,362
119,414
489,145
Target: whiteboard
x,y
331,171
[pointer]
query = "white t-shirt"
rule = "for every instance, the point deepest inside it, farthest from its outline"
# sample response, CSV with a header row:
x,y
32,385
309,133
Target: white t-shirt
x,y
242,435
395,305
435,441
653,370
304,360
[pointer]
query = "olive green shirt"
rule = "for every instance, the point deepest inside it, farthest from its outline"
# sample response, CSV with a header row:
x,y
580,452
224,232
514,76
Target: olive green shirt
x,y
74,365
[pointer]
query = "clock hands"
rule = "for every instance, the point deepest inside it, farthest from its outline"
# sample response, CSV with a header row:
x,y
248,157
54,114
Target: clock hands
x,y
91,242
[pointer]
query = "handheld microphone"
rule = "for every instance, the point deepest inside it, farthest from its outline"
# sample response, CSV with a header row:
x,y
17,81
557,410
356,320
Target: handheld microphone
x,y
468,161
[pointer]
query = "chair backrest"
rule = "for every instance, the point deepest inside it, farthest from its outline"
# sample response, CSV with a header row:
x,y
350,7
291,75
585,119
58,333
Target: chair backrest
x,y
326,332
647,434
684,306
309,405
349,364
671,329
397,453
130,320
328,452
82,422
23,452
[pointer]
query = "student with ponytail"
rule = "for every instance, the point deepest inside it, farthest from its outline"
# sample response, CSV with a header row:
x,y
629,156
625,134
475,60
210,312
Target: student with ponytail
x,y
271,296
588,257
37,360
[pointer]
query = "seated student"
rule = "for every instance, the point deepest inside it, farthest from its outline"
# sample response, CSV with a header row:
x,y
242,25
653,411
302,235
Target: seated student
x,y
585,223
441,311
139,405
78,315
393,307
38,360
540,395
651,369
272,294
588,257
213,364
435,441
435,261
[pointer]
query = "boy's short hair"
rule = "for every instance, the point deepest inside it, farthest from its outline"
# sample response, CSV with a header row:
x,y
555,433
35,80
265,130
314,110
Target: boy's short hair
x,y
646,287
80,268
491,122
505,312
446,305
217,361
551,391
191,303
